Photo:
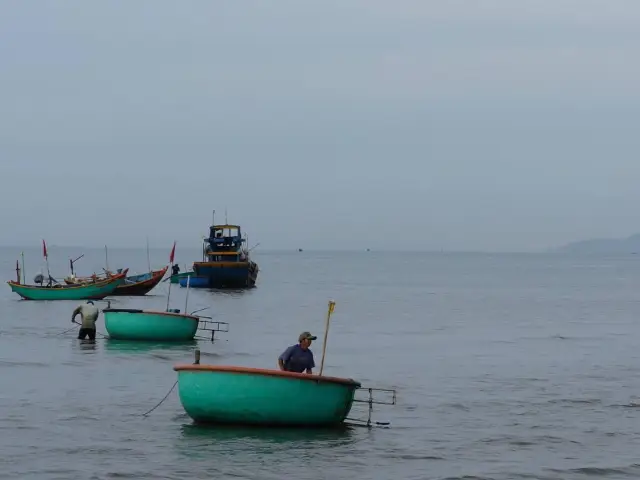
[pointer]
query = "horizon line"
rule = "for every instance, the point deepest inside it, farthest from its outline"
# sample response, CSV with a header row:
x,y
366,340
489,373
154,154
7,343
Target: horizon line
x,y
295,249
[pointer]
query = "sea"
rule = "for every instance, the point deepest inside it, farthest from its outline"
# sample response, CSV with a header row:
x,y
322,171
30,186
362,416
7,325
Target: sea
x,y
505,366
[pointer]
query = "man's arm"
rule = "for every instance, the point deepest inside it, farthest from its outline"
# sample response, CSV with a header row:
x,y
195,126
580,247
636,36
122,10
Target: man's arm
x,y
76,312
312,363
284,357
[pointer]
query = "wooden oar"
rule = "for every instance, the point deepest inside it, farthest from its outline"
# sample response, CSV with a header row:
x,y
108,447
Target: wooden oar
x,y
332,305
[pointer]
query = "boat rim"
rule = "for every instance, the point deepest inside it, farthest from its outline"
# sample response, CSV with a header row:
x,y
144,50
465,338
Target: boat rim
x,y
72,286
154,312
266,372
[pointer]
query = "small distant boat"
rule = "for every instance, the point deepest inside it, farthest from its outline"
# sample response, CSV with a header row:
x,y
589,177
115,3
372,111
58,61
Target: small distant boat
x,y
226,262
256,396
179,276
86,291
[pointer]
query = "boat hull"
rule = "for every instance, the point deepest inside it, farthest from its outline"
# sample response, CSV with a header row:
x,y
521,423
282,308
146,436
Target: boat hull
x,y
228,274
90,291
246,396
146,325
180,276
142,287
195,282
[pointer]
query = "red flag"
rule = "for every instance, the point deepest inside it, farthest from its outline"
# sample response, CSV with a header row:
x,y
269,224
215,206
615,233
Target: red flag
x,y
173,251
44,248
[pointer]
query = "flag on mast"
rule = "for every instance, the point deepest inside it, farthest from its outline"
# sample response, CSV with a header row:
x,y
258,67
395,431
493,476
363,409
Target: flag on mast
x,y
44,248
173,251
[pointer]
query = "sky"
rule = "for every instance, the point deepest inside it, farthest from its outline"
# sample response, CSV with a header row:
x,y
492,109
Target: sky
x,y
343,124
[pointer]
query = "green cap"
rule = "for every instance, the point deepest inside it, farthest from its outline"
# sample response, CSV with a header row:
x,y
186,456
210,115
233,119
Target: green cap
x,y
306,336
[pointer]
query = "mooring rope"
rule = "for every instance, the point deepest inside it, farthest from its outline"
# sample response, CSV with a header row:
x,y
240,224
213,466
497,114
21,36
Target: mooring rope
x,y
66,331
160,403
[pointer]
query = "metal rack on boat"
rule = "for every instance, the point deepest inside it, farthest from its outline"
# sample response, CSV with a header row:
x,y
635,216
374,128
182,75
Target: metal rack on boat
x,y
370,401
213,327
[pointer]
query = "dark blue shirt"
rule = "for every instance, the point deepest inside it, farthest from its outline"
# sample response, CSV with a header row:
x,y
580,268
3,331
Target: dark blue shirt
x,y
296,359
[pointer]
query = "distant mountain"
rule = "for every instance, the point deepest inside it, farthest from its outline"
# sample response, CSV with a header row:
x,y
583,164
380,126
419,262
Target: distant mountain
x,y
604,245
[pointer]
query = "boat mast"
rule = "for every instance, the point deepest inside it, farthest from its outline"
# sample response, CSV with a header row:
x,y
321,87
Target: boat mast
x,y
148,258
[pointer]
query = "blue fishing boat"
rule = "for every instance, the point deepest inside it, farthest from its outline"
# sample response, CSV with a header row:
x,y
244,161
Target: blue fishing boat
x,y
226,261
194,281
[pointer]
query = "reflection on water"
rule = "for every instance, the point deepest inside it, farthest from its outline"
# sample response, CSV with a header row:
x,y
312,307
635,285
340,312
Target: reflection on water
x,y
131,346
224,292
85,345
196,440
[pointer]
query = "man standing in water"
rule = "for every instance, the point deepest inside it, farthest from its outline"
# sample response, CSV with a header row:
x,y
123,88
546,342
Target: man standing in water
x,y
298,358
89,313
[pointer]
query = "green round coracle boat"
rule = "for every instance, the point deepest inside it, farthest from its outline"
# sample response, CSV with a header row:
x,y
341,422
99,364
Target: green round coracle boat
x,y
148,325
255,396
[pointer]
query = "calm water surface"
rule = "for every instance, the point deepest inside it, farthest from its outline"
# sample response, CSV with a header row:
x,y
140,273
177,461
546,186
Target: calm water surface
x,y
506,367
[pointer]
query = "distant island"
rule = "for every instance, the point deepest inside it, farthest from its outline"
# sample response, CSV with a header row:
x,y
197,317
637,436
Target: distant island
x,y
604,245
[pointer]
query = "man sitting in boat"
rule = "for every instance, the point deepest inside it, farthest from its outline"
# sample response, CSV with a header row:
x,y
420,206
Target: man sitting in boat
x,y
89,314
298,358
175,270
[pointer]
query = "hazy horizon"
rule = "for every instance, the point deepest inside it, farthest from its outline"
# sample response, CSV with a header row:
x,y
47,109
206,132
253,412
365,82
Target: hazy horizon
x,y
418,125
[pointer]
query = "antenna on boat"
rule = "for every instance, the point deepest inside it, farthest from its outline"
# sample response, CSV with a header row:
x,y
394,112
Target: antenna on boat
x,y
213,218
173,251
332,306
148,258
106,257
46,256
23,272
186,300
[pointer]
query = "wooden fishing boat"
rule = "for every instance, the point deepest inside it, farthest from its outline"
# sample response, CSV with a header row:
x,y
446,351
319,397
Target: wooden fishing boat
x,y
150,325
134,285
256,396
86,291
141,284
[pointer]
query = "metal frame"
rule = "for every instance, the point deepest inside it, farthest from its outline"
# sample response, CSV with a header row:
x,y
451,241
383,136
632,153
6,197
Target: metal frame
x,y
213,327
371,402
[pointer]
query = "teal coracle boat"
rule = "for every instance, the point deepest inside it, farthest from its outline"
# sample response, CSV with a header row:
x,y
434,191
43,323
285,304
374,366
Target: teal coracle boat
x,y
176,278
149,325
263,397
86,291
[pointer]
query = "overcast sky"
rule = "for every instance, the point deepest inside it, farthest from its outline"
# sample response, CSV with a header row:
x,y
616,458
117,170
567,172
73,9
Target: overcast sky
x,y
457,125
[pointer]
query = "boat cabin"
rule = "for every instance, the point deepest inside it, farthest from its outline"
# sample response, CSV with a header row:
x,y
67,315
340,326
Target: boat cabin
x,y
224,244
225,238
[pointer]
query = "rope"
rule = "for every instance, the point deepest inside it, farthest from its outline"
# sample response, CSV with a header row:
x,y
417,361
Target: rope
x,y
66,331
160,403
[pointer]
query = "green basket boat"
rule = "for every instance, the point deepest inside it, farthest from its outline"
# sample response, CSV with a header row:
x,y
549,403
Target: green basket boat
x,y
263,397
149,325
86,291
176,278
